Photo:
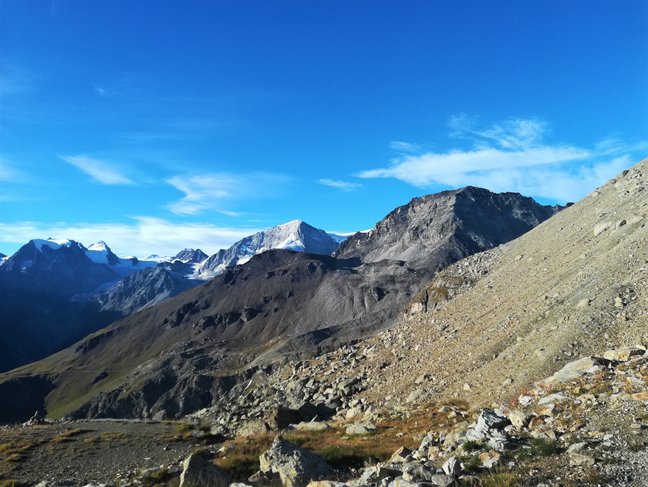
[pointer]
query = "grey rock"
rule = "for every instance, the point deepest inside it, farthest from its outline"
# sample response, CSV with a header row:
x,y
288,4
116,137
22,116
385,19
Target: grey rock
x,y
401,455
402,482
363,428
199,471
295,467
417,472
452,467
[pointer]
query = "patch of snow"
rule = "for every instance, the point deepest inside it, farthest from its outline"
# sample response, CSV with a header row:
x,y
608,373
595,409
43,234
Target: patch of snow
x,y
51,243
98,253
339,237
156,258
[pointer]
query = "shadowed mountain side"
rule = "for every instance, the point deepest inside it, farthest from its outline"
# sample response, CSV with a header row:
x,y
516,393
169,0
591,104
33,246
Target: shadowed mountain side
x,y
144,289
276,296
29,332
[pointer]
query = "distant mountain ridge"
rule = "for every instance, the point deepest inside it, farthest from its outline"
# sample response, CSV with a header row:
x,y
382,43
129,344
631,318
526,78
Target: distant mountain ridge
x,y
295,235
193,256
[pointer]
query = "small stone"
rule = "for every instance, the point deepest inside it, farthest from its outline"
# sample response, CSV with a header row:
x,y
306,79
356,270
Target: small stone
x,y
640,396
583,303
490,459
624,354
525,400
518,419
601,227
452,467
578,459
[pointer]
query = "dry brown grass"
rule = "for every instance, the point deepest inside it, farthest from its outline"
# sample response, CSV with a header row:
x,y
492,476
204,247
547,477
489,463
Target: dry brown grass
x,y
107,436
17,451
241,455
68,436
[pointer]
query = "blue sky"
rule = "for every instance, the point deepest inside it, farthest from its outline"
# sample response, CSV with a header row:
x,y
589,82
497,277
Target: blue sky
x,y
156,125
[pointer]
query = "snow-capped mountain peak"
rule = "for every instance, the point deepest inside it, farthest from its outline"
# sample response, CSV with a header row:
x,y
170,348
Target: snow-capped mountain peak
x,y
100,253
194,256
295,235
100,245
52,243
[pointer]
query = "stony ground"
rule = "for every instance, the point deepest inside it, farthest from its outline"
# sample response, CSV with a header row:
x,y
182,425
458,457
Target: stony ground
x,y
82,452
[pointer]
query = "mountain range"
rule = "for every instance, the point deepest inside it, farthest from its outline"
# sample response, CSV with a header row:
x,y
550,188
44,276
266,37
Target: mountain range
x,y
175,357
82,289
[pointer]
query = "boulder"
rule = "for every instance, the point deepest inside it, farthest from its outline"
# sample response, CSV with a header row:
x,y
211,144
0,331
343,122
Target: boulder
x,y
490,428
416,472
552,399
428,440
486,424
279,418
373,475
311,426
363,428
573,370
624,354
489,420
199,471
401,455
295,467
254,427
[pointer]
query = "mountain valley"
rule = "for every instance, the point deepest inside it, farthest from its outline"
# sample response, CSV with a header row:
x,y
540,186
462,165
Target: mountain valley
x,y
492,338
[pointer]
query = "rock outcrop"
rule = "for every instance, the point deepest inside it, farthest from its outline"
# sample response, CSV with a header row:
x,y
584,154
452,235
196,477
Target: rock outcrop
x,y
295,467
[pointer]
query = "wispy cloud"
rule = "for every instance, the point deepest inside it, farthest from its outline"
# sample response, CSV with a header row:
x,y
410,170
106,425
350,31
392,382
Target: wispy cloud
x,y
511,134
512,156
142,237
102,172
103,91
400,146
14,81
339,184
212,191
7,172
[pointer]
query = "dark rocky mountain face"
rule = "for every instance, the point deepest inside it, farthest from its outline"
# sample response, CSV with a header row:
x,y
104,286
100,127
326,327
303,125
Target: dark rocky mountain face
x,y
280,302
433,231
2,256
64,271
37,313
194,256
36,323
146,288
